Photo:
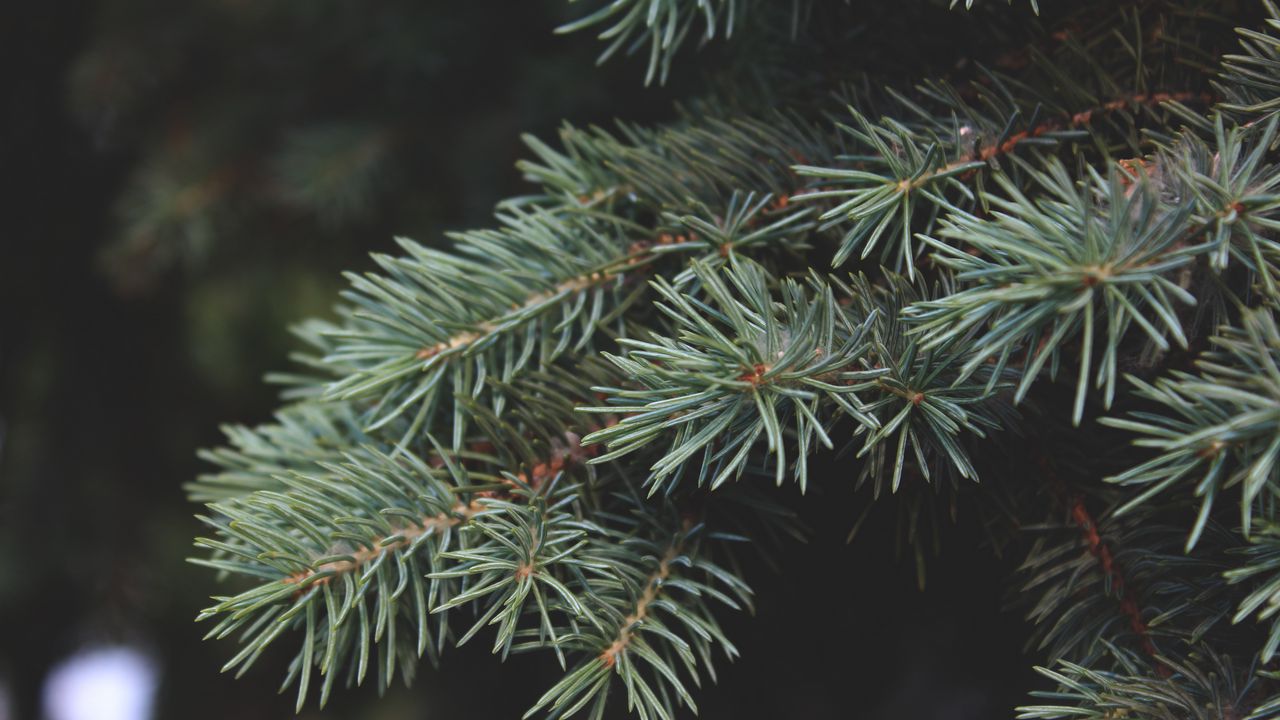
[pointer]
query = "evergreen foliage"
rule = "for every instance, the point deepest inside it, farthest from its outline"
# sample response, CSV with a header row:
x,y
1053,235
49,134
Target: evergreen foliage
x,y
558,434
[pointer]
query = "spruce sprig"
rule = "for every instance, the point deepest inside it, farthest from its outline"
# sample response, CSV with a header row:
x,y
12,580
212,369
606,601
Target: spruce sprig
x,y
743,365
1214,430
1071,264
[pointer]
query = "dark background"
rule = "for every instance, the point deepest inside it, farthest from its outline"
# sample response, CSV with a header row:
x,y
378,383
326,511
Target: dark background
x,y
113,372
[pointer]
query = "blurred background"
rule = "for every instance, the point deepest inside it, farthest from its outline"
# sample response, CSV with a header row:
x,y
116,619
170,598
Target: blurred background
x,y
179,182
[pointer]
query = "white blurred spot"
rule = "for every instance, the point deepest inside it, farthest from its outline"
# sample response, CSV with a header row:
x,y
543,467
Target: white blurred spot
x,y
104,683
6,703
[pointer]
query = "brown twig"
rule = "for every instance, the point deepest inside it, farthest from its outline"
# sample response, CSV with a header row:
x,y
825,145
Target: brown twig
x,y
377,548
1099,549
652,587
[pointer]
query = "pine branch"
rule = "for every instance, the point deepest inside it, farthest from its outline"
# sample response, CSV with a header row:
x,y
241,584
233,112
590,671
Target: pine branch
x,y
721,389
1052,268
653,623
1203,686
924,399
1099,581
1249,80
1234,189
1262,568
745,365
524,554
542,285
303,436
1114,578
662,25
358,534
1102,581
908,172
305,549
1222,425
510,556
339,560
700,161
609,657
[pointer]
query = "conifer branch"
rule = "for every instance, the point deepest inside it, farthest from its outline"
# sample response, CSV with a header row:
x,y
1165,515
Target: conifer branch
x,y
580,278
1115,579
1234,190
1223,424
932,163
720,390
652,624
1202,686
1249,79
324,570
763,366
1050,269
541,522
1261,567
302,436
609,656
661,25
